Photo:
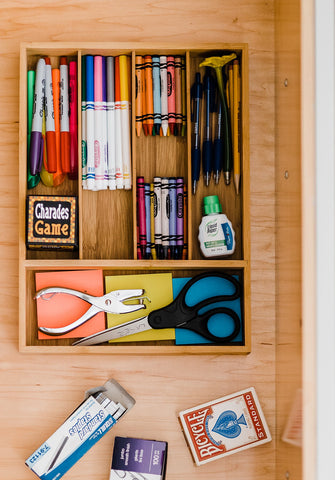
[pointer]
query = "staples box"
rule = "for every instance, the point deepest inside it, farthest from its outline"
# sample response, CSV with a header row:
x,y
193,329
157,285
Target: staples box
x,y
224,426
91,420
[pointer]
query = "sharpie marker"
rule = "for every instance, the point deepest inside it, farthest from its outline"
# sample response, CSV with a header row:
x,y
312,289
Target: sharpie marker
x,y
64,115
50,134
36,139
73,119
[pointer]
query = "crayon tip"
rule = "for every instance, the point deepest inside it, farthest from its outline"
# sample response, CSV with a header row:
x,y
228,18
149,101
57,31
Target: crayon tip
x,y
171,127
138,129
157,129
150,127
145,129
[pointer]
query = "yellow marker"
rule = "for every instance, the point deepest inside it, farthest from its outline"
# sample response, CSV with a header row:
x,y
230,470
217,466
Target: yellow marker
x,y
235,124
125,122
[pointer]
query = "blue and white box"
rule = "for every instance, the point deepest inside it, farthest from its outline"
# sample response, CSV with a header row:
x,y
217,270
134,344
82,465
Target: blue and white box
x,y
138,458
91,420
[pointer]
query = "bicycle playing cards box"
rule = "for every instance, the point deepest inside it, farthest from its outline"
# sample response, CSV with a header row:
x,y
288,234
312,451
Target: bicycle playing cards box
x,y
224,426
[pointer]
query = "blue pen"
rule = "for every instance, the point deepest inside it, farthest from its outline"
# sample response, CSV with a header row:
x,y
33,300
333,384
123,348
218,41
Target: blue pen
x,y
207,145
196,94
156,86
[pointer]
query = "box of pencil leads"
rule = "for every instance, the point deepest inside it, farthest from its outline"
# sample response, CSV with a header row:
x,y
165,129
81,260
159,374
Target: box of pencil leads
x,y
138,458
92,419
224,426
51,222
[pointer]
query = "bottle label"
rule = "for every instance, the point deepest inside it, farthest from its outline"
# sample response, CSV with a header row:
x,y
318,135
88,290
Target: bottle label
x,y
228,236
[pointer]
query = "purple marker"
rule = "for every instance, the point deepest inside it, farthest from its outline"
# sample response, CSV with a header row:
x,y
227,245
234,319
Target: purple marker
x,y
36,138
147,200
173,216
180,217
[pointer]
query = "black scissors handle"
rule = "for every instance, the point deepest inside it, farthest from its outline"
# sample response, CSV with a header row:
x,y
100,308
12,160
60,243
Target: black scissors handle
x,y
180,315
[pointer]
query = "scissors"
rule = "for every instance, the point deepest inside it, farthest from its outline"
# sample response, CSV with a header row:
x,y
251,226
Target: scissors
x,y
110,303
178,314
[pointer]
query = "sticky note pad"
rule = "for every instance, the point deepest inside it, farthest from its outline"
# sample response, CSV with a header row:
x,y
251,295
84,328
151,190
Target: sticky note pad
x,y
221,325
158,288
59,310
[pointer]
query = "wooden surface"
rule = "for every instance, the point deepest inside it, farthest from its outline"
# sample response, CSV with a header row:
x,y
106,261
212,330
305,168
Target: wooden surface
x,y
37,392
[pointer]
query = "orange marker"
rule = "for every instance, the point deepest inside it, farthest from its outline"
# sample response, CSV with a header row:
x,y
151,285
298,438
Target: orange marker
x,y
58,177
139,93
149,101
179,113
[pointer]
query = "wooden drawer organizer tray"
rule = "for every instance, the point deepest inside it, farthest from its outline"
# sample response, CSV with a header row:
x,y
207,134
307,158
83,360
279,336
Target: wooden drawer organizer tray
x,y
107,224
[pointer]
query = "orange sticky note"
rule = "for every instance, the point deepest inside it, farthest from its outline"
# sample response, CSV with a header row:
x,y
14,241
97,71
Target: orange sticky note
x,y
61,309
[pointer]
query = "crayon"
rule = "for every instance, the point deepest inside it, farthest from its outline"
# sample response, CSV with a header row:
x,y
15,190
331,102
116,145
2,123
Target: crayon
x,y
64,115
156,82
125,121
58,176
111,124
139,93
185,249
152,222
172,217
179,114
73,119
141,215
83,124
147,201
138,248
164,95
165,217
118,134
158,216
149,111
171,91
50,133
180,217
90,121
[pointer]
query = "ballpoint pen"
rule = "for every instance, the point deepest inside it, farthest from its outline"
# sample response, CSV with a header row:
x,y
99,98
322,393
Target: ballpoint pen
x,y
196,94
207,145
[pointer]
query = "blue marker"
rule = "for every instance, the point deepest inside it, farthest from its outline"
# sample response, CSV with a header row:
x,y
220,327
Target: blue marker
x,y
156,85
147,201
90,122
173,216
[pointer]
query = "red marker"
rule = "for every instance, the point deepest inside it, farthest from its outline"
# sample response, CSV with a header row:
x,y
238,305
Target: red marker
x,y
73,96
64,115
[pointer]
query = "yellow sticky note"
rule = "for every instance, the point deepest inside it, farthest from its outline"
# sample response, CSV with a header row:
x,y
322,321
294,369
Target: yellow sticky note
x,y
158,288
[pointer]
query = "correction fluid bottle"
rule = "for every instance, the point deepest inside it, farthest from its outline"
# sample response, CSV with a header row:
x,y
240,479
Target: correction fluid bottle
x,y
216,234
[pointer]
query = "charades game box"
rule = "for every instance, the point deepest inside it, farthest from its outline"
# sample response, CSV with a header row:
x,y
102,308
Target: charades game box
x,y
224,426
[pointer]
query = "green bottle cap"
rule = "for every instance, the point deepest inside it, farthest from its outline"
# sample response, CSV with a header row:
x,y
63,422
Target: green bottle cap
x,y
212,205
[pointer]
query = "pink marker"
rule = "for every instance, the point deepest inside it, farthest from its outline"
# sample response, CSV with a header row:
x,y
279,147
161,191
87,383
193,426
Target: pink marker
x,y
73,103
64,115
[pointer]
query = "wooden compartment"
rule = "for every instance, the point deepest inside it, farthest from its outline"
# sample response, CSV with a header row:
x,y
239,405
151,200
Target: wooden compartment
x,y
107,222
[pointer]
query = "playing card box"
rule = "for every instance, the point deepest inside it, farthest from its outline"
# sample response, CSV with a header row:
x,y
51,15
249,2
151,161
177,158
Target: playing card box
x,y
224,426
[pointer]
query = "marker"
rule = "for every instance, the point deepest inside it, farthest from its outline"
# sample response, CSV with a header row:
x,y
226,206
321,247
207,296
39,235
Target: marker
x,y
156,82
99,120
50,119
125,121
111,124
179,114
36,140
73,101
58,176
171,92
118,134
158,216
180,217
149,111
83,124
32,180
139,93
64,115
141,215
165,217
152,222
90,122
147,220
164,95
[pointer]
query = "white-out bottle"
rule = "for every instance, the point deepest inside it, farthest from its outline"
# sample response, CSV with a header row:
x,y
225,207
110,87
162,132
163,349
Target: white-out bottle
x,y
216,234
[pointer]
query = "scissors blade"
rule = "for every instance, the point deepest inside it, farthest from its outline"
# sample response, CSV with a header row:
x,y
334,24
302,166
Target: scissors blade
x,y
128,328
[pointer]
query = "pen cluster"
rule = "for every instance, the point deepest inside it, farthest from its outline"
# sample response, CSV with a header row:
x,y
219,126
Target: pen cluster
x,y
161,218
160,95
105,107
52,142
